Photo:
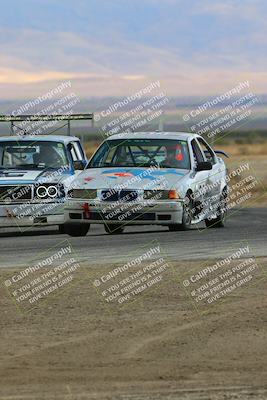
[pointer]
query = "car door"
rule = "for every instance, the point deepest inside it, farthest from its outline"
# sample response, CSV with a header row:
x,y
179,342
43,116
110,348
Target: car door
x,y
214,175
200,185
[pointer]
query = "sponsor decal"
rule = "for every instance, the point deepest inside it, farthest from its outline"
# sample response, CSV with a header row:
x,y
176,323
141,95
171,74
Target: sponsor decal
x,y
115,175
118,173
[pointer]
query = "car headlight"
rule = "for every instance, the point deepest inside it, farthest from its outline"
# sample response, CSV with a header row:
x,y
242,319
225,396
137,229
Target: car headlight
x,y
161,195
49,191
156,194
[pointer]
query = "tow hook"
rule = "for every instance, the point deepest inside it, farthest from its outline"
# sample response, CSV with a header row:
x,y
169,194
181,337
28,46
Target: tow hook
x,y
86,210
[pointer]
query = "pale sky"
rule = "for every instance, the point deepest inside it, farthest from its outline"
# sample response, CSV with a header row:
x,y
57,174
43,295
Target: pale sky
x,y
114,47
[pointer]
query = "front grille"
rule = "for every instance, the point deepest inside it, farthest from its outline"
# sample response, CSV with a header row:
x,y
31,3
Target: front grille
x,y
156,194
83,194
11,193
119,195
128,195
110,195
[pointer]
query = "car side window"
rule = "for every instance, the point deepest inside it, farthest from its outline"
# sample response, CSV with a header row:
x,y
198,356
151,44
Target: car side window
x,y
198,156
75,152
208,153
80,150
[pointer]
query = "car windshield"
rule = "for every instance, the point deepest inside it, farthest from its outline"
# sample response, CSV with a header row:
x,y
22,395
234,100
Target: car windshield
x,y
32,154
165,153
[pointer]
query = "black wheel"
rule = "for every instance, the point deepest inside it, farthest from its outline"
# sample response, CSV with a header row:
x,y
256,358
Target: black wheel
x,y
76,230
187,216
219,221
114,229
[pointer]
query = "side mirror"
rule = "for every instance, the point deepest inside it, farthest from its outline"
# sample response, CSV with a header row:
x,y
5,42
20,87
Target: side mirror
x,y
78,165
204,166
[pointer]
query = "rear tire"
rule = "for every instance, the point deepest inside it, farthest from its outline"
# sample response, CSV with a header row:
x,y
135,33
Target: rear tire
x,y
114,229
76,230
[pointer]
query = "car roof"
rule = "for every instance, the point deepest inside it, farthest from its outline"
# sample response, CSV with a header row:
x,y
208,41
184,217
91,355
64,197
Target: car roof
x,y
38,138
154,135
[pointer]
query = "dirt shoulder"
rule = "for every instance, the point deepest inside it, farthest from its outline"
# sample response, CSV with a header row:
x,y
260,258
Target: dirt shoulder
x,y
75,346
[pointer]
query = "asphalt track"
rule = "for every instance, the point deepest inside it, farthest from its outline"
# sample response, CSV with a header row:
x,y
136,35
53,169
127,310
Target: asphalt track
x,y
245,226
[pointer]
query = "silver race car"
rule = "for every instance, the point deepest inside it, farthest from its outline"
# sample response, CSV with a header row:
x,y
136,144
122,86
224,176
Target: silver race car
x,y
35,174
36,170
157,178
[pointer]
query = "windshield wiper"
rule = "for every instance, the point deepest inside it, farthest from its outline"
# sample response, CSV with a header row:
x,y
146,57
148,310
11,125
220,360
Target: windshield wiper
x,y
171,166
10,168
165,166
30,166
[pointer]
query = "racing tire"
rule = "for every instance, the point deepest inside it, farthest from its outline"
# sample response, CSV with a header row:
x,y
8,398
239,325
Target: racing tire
x,y
114,229
219,221
187,216
76,230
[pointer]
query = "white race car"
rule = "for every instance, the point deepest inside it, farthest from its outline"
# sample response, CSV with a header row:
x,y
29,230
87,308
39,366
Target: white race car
x,y
157,178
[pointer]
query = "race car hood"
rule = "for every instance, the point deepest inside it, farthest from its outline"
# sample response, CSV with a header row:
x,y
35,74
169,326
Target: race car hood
x,y
128,177
17,177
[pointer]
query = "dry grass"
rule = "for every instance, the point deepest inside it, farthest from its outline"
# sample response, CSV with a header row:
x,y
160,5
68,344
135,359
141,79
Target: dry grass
x,y
257,149
90,147
256,156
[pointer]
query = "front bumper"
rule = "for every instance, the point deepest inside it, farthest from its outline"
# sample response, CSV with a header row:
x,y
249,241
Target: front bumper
x,y
34,214
132,213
